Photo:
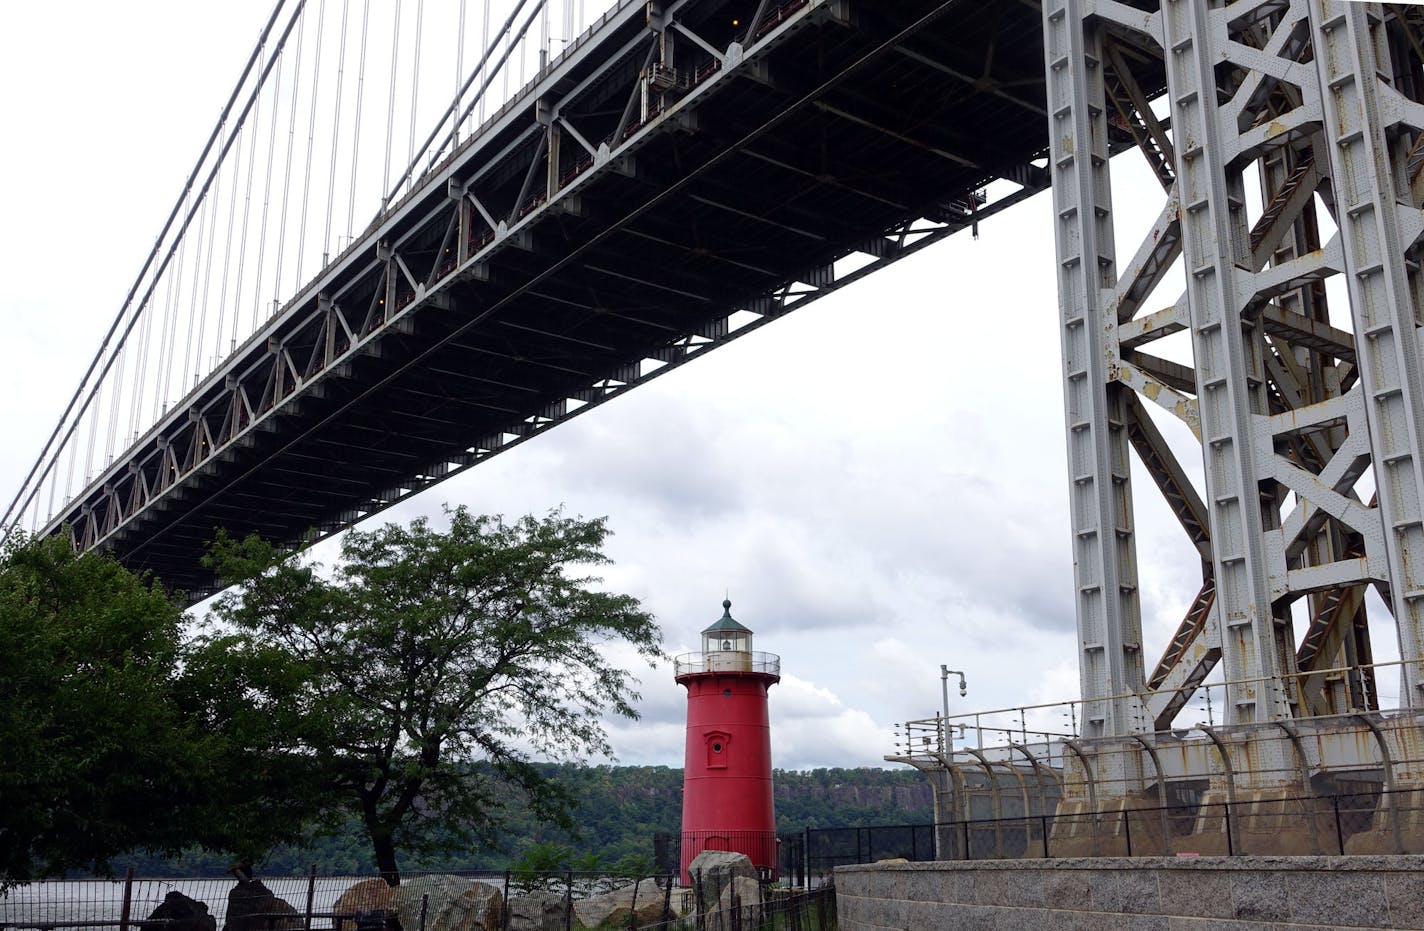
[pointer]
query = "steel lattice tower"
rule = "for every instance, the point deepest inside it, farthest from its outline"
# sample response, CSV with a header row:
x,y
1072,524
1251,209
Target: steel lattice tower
x,y
1316,106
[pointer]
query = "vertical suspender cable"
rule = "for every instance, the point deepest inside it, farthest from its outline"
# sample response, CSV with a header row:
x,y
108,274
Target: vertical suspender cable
x,y
459,73
335,137
193,310
484,60
207,309
145,337
243,245
163,361
175,285
391,106
115,398
545,50
257,286
356,133
232,246
287,169
415,80
311,139
138,281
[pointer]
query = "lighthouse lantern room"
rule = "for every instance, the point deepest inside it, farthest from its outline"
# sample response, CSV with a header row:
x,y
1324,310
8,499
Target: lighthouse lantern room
x,y
727,797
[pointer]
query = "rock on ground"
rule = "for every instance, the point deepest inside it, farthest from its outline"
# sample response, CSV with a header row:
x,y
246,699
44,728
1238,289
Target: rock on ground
x,y
741,893
453,903
536,911
364,896
714,869
251,906
177,912
614,908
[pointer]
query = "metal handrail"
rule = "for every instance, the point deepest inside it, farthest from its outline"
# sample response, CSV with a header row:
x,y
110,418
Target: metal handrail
x,y
731,661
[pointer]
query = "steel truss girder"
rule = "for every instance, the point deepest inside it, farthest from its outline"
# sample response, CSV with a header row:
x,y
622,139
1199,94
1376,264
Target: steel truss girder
x,y
1290,410
454,231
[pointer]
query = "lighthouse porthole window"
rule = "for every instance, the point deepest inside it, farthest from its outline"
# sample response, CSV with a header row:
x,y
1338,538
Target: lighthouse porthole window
x,y
718,750
726,693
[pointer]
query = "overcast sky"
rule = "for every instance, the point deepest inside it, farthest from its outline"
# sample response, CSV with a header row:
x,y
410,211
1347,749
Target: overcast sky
x,y
878,480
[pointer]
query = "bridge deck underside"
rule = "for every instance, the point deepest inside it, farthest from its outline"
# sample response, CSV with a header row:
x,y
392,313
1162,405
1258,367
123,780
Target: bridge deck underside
x,y
764,180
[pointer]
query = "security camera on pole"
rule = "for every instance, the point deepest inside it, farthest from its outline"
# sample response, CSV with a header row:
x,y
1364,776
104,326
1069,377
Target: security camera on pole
x,y
944,673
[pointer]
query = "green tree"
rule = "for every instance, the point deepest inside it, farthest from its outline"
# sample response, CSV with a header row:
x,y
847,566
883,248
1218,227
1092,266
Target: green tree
x,y
108,742
423,669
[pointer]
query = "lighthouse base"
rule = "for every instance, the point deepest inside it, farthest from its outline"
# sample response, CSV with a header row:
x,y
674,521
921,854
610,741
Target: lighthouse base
x,y
761,847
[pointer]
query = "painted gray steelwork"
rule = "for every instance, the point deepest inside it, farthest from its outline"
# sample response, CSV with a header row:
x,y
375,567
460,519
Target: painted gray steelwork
x,y
1281,122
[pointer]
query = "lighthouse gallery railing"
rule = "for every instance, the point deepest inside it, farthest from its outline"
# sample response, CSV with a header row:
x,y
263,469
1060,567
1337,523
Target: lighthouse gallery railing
x,y
727,661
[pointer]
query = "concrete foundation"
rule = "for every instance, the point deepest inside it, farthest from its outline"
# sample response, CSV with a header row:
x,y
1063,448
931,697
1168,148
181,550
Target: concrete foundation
x,y
1112,893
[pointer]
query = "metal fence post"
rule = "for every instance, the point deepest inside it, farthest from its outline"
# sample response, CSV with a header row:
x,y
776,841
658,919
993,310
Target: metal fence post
x,y
1230,844
1339,831
965,826
1043,825
569,903
1127,830
128,900
806,858
311,896
424,904
667,899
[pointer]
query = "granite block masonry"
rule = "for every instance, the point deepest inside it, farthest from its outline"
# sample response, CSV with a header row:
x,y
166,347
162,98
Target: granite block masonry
x,y
1135,894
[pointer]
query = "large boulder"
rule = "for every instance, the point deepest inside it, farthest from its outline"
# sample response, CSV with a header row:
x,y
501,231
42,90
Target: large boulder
x,y
536,911
613,909
251,906
177,912
452,903
712,871
364,896
741,893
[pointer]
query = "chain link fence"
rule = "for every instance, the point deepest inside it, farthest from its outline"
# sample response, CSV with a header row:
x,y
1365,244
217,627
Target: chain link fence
x,y
509,901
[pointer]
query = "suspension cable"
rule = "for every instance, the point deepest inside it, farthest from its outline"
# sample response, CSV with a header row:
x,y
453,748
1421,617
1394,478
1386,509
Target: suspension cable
x,y
44,466
143,270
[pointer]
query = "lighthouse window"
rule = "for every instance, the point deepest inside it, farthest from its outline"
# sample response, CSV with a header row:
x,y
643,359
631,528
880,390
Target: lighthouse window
x,y
719,749
727,693
726,644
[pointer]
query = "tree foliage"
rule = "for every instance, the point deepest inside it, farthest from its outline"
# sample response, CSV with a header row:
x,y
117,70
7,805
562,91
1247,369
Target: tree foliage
x,y
423,670
108,741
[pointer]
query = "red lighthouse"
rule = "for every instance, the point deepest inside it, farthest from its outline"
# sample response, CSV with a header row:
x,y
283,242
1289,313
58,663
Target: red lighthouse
x,y
726,787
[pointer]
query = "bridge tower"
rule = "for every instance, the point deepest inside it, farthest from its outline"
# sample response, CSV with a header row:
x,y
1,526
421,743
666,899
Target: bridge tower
x,y
1287,139
726,788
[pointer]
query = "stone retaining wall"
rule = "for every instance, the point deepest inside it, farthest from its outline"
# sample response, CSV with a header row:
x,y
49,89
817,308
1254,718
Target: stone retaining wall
x,y
1135,894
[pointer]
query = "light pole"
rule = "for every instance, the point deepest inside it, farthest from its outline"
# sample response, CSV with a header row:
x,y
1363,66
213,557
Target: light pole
x,y
944,673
